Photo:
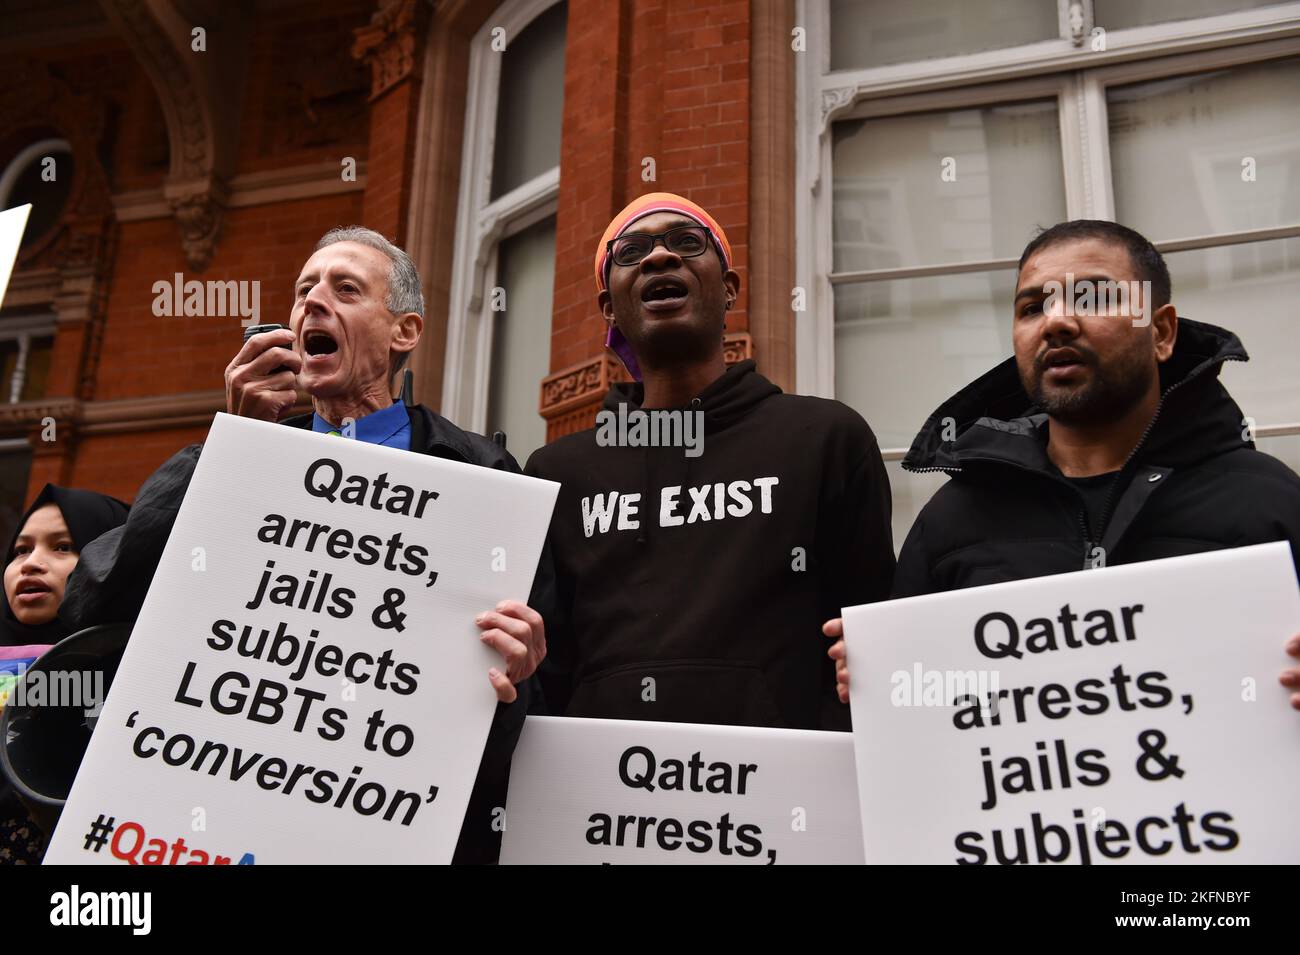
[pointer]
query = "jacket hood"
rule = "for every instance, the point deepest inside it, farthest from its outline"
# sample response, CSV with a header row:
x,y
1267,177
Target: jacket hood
x,y
995,421
724,401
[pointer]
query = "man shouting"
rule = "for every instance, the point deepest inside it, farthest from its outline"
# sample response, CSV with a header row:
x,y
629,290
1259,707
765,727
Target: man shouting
x,y
358,312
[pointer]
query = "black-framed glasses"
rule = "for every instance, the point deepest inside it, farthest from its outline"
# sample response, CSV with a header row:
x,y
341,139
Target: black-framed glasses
x,y
686,241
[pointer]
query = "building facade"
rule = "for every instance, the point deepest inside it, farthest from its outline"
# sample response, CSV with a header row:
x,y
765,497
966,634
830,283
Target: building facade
x,y
878,167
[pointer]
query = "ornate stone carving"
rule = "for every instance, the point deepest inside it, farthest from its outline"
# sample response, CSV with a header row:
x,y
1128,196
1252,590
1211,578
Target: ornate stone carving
x,y
580,384
199,217
392,43
737,346
21,417
201,95
834,100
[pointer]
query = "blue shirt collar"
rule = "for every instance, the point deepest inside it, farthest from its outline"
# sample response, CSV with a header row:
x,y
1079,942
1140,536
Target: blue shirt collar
x,y
375,428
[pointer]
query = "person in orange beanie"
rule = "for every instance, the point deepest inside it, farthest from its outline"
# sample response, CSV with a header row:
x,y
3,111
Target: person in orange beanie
x,y
709,520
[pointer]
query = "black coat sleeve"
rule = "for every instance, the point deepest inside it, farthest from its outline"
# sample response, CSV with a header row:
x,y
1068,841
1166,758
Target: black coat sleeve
x,y
114,571
914,576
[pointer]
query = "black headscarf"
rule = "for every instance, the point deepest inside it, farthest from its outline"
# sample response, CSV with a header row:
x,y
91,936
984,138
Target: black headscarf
x,y
87,515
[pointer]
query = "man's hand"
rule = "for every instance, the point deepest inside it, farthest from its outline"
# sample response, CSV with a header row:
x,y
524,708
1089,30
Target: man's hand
x,y
517,633
252,391
1291,678
840,654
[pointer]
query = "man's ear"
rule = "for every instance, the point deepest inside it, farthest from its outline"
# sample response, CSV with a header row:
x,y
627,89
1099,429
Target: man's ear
x,y
1164,331
731,282
406,332
606,304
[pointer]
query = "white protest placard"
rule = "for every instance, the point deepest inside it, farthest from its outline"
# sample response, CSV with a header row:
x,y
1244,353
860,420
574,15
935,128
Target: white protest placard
x,y
1137,717
12,224
305,682
628,792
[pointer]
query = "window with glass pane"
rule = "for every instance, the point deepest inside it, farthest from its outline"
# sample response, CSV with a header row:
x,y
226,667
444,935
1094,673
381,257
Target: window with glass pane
x,y
25,367
530,103
37,372
15,467
894,206
1251,289
48,197
1118,14
521,337
9,352
1177,148
903,345
1284,447
878,32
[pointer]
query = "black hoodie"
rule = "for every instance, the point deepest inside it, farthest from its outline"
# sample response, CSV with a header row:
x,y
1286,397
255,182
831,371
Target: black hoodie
x,y
1194,482
705,603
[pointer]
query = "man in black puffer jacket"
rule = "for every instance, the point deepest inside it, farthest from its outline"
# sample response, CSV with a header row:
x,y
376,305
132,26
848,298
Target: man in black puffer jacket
x,y
1107,439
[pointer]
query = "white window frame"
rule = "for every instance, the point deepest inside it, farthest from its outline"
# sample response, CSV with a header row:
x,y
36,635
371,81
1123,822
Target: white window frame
x,y
482,223
1066,68
22,329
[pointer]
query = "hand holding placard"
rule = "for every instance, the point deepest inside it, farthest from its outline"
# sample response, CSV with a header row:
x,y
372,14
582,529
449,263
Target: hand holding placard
x,y
305,662
1176,759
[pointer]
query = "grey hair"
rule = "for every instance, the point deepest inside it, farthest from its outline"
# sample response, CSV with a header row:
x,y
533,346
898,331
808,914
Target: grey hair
x,y
404,292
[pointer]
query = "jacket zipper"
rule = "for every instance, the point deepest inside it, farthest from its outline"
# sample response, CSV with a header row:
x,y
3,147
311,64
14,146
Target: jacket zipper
x,y
937,467
1110,497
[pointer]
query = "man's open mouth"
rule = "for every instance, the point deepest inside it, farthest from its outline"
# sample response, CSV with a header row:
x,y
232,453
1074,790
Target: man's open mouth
x,y
319,344
663,294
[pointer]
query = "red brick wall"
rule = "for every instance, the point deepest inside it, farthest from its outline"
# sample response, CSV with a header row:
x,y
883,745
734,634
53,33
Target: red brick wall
x,y
393,120
144,355
141,355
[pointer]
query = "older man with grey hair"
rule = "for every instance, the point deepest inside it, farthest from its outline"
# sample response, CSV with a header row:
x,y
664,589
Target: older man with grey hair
x,y
358,311
357,314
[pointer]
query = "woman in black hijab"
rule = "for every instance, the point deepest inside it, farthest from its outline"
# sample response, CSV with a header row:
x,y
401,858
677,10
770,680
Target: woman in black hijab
x,y
41,555
38,560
